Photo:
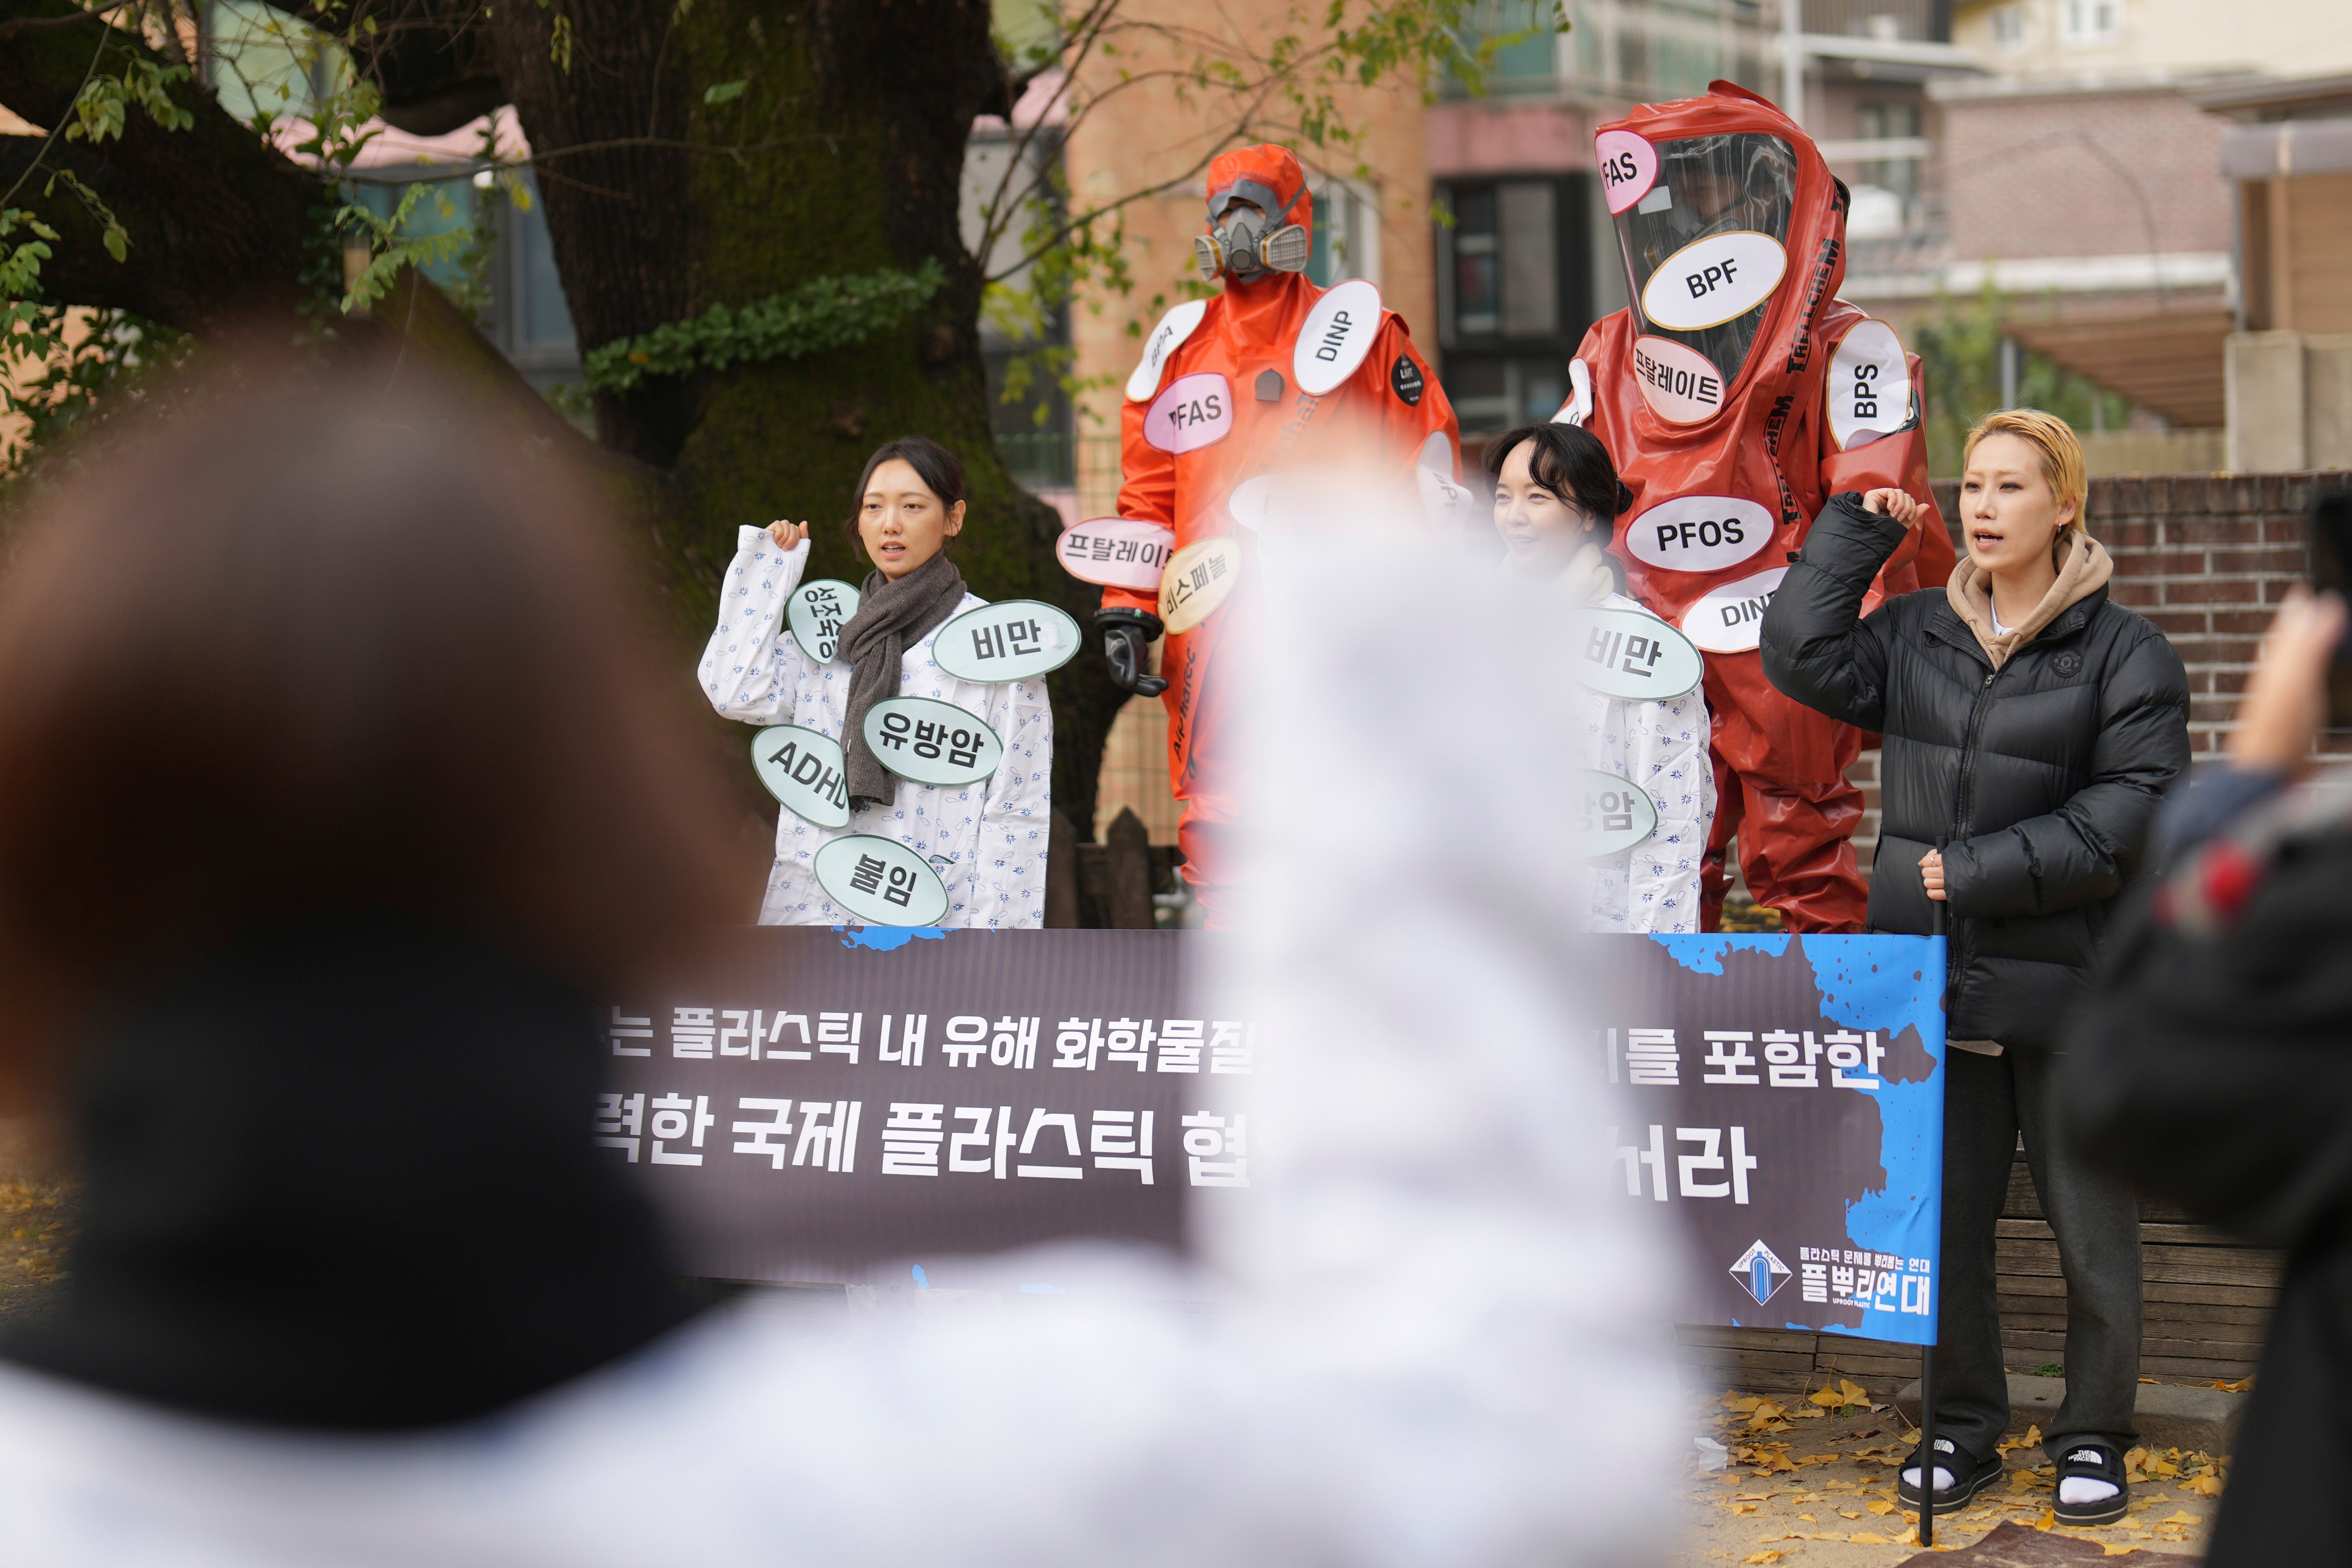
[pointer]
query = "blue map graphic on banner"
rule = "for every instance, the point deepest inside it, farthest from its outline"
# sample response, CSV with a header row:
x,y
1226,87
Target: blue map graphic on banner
x,y
1808,1070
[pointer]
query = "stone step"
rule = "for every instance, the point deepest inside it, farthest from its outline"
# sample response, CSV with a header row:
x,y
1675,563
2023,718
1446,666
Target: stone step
x,y
2169,1415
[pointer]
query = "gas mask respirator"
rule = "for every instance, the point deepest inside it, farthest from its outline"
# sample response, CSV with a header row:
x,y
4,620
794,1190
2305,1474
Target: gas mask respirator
x,y
1246,242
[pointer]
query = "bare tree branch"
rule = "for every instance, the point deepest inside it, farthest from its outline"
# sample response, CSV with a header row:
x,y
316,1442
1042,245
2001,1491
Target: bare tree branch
x,y
10,28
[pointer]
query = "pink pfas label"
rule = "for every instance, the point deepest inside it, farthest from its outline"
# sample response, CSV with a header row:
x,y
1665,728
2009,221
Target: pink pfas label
x,y
1628,168
1197,411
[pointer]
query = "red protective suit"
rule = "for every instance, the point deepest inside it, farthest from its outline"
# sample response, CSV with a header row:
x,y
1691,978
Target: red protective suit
x,y
1222,404
1736,393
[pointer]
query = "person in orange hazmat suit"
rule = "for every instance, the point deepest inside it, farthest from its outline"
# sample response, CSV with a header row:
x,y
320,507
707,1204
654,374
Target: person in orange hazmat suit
x,y
1737,393
1273,374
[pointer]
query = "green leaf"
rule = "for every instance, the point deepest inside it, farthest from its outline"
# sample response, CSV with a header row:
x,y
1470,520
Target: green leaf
x,y
726,92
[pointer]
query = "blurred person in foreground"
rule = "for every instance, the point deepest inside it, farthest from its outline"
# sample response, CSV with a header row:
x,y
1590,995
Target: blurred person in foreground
x,y
334,789
2212,1068
2032,726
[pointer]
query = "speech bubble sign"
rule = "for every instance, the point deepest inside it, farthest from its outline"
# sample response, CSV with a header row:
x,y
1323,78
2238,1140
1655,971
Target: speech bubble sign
x,y
1198,582
1197,411
1633,655
1699,534
930,741
1868,393
1730,619
1608,815
1174,327
803,769
1338,334
1116,552
1681,384
817,612
1628,168
1714,279
1013,640
880,881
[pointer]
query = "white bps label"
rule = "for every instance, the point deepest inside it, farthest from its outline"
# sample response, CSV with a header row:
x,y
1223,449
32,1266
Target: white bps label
x,y
1712,280
1699,534
1731,618
1869,390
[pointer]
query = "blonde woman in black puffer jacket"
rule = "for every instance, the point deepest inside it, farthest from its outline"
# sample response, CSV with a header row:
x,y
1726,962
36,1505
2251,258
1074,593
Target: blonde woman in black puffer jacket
x,y
2032,727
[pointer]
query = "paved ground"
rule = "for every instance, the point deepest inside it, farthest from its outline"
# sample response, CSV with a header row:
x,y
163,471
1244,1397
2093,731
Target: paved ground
x,y
1819,1489
36,1217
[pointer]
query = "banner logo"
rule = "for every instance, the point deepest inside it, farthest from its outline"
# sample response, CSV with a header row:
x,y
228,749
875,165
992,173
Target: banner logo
x,y
1759,1273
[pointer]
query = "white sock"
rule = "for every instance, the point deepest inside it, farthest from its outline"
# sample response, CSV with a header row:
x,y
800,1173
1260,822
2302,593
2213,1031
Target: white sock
x,y
2075,1489
1943,1476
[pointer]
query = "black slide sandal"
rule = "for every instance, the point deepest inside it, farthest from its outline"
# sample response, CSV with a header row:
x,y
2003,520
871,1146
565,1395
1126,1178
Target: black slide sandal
x,y
2092,1461
1970,1475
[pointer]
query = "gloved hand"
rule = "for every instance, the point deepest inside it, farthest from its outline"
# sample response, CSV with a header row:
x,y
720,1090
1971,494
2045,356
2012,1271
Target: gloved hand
x,y
1127,644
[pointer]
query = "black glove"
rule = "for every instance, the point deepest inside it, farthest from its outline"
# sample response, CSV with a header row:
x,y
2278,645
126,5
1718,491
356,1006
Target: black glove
x,y
1127,644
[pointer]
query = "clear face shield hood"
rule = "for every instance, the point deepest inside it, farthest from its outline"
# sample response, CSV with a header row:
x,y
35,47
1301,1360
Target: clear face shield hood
x,y
1707,244
1244,240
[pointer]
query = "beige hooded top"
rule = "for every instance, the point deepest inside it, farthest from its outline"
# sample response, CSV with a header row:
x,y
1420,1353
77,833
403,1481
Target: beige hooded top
x,y
2084,566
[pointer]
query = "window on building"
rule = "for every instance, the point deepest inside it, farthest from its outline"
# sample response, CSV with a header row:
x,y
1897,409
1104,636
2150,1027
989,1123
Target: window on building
x,y
1347,235
2008,27
1514,296
1523,40
1891,121
2088,22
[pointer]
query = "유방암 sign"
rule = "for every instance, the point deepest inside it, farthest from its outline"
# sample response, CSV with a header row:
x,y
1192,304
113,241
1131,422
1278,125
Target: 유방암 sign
x,y
930,741
1611,815
1010,641
803,769
817,612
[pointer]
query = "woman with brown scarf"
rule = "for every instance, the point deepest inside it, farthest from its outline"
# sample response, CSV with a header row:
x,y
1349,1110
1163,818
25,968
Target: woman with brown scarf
x,y
986,840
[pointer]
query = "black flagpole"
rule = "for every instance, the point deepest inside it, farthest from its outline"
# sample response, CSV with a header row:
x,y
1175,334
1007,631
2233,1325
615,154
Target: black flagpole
x,y
1938,922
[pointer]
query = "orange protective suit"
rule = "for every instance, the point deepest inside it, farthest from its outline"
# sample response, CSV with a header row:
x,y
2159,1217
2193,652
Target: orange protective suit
x,y
1224,404
1737,393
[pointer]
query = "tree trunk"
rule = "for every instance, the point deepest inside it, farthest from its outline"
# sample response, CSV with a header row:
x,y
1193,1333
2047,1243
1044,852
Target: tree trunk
x,y
843,154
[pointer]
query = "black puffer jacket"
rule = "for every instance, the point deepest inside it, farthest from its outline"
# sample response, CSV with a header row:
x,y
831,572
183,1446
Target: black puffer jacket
x,y
2043,777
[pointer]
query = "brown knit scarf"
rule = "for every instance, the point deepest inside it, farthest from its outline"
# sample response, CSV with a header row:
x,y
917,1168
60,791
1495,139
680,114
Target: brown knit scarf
x,y
892,616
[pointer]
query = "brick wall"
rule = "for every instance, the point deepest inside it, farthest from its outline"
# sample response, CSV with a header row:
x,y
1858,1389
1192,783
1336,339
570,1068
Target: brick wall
x,y
2207,557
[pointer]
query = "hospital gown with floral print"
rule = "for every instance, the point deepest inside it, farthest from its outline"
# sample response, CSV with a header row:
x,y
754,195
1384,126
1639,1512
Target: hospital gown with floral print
x,y
986,840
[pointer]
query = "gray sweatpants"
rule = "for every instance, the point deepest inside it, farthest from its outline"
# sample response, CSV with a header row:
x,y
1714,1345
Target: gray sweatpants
x,y
1988,1101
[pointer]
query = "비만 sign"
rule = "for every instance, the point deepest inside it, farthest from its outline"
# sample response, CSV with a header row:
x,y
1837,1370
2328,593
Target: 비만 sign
x,y
1781,1101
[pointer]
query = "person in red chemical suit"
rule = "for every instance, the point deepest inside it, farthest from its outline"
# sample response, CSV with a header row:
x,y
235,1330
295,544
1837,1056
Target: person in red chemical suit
x,y
1272,374
1737,393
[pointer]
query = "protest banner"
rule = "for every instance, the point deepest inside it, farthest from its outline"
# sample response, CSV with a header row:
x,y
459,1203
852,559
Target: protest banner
x,y
816,1104
819,1104
1782,1101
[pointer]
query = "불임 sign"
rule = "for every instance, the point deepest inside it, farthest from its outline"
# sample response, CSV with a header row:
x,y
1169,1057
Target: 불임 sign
x,y
814,1104
816,614
1013,640
880,881
1782,1104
